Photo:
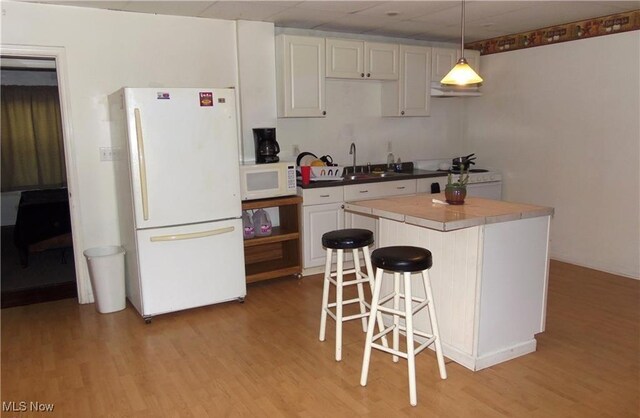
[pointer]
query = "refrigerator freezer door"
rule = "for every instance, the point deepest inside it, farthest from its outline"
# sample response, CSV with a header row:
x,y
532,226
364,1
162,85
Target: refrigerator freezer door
x,y
183,147
190,266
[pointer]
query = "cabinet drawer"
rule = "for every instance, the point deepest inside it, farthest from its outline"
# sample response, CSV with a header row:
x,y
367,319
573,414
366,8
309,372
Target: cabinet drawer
x,y
322,195
378,190
363,191
400,187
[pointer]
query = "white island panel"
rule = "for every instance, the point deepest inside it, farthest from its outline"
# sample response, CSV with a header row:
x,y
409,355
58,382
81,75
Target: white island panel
x,y
453,279
514,283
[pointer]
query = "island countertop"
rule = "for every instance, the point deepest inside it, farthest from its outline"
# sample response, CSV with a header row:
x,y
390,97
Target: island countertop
x,y
421,210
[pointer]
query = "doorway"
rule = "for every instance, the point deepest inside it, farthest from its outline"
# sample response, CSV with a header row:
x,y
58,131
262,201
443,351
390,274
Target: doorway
x,y
38,262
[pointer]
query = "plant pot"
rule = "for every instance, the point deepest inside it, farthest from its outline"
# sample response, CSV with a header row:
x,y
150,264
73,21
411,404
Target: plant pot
x,y
455,195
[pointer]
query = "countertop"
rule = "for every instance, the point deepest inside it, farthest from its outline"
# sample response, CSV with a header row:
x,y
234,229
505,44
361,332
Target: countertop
x,y
420,210
404,175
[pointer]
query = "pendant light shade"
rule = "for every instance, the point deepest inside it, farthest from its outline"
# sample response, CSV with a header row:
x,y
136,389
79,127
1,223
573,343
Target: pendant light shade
x,y
461,74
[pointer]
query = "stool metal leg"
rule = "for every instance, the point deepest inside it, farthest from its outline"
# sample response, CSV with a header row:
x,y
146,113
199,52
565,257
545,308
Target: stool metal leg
x,y
369,339
325,295
359,276
411,358
434,323
339,288
396,317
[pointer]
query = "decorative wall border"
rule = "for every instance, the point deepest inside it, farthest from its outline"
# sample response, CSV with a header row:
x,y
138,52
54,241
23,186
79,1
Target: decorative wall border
x,y
589,28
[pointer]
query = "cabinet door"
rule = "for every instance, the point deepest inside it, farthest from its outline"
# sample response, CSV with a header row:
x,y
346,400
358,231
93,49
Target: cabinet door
x,y
381,61
357,220
472,57
415,80
319,219
345,58
442,61
300,70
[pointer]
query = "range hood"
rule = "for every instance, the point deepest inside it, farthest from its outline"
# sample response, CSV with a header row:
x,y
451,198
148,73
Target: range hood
x,y
440,90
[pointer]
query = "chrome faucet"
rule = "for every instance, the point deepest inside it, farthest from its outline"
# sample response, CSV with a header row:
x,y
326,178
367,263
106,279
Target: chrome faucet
x,y
352,150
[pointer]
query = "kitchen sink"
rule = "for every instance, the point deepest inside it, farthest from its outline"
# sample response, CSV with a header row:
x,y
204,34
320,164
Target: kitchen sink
x,y
357,176
388,174
365,176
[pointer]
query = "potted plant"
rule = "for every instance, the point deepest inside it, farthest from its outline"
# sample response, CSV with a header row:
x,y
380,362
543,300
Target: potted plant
x,y
455,192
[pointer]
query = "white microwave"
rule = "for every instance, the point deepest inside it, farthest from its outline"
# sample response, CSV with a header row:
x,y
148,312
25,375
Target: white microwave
x,y
261,181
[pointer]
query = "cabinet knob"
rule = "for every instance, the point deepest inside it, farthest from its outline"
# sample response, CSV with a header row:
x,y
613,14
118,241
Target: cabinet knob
x,y
324,112
341,206
364,191
368,74
402,113
361,74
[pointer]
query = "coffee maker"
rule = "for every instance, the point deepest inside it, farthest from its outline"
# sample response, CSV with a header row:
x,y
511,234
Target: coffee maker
x,y
267,148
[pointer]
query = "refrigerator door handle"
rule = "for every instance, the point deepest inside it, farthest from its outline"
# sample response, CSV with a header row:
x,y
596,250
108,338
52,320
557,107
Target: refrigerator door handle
x,y
143,166
192,235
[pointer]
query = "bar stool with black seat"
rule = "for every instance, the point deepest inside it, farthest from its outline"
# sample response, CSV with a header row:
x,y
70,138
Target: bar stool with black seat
x,y
403,260
354,240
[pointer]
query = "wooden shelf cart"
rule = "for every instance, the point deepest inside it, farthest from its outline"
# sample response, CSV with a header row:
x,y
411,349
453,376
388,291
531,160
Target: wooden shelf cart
x,y
279,254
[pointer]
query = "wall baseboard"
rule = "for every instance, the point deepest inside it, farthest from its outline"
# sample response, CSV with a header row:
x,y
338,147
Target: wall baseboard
x,y
599,268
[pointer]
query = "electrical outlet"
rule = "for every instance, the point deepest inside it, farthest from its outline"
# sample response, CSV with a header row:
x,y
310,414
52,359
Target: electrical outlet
x,y
106,154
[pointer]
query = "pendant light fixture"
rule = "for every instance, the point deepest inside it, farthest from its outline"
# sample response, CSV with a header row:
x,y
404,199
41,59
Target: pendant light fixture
x,y
461,74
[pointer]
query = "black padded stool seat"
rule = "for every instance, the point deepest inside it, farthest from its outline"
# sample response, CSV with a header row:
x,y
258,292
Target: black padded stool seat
x,y
402,258
347,239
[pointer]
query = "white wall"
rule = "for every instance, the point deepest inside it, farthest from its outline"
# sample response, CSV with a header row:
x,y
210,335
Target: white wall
x,y
257,75
107,50
353,115
563,123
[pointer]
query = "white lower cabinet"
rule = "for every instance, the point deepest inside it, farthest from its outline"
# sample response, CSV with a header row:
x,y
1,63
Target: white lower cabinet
x,y
318,220
356,220
323,211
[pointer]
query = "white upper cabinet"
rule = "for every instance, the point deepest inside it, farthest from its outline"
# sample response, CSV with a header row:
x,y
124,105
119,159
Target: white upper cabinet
x,y
345,58
411,95
381,61
443,60
358,59
300,76
473,58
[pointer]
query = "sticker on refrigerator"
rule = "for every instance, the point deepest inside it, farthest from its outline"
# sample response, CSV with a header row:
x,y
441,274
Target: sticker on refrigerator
x,y
163,95
206,98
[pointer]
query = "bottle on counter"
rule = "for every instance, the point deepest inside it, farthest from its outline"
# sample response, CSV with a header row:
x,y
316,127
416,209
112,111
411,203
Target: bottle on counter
x,y
390,158
398,166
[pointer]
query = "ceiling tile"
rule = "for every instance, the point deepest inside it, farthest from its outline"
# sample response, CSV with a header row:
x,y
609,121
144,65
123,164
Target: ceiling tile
x,y
246,10
177,8
298,18
336,6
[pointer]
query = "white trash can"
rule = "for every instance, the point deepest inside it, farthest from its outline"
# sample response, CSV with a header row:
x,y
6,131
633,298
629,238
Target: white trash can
x,y
106,270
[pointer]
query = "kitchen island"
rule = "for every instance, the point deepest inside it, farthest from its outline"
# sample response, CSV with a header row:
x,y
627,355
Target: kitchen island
x,y
489,274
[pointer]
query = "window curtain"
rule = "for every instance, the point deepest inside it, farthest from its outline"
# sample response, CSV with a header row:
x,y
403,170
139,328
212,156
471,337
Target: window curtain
x,y
32,147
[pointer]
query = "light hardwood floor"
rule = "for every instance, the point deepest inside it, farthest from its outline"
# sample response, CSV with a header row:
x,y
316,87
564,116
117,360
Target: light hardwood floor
x,y
263,359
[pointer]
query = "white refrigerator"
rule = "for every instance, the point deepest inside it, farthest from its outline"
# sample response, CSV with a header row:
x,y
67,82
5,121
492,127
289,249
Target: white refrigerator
x,y
178,192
